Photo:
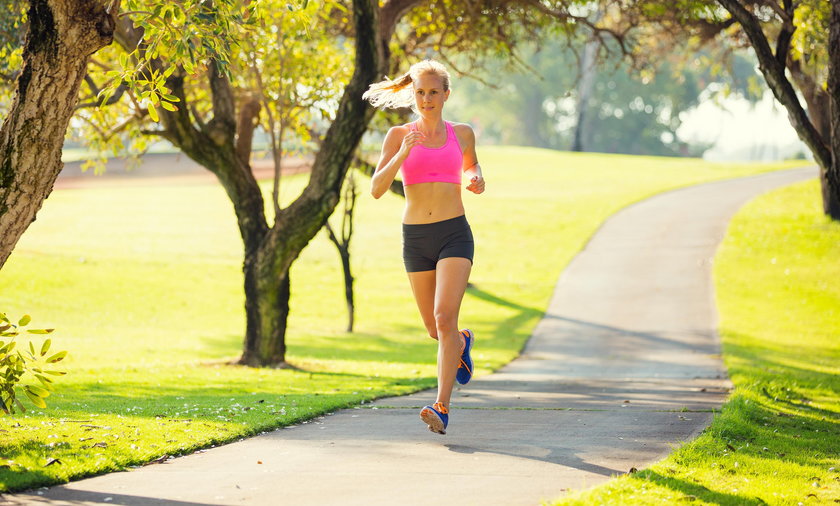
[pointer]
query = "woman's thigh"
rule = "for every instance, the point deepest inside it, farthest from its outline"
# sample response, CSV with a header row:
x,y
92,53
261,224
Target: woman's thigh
x,y
452,275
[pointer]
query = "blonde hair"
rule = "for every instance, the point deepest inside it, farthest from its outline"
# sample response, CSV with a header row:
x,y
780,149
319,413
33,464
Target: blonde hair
x,y
390,94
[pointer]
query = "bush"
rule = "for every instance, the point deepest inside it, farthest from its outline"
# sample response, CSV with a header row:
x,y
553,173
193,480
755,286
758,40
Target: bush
x,y
15,365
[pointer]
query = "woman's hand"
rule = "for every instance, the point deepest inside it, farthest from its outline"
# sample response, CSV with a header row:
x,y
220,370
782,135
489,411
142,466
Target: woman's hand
x,y
411,139
476,185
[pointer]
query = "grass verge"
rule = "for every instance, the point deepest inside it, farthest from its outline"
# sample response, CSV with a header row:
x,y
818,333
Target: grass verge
x,y
143,284
777,439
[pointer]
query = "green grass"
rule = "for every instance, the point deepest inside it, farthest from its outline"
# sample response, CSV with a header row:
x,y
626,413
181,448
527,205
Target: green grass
x,y
777,439
144,286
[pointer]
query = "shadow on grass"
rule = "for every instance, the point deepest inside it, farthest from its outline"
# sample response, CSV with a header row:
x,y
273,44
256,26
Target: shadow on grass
x,y
696,491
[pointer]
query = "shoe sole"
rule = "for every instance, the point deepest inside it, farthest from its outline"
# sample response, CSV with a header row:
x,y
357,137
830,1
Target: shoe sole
x,y
433,421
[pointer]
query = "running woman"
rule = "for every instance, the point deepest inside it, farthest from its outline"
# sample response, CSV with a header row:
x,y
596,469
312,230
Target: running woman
x,y
432,155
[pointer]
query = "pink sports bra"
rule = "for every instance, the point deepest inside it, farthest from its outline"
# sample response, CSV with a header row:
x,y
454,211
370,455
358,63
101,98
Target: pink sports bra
x,y
427,165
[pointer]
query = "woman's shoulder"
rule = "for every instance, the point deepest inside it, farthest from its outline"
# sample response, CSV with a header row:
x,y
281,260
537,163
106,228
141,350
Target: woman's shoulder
x,y
464,132
462,128
397,132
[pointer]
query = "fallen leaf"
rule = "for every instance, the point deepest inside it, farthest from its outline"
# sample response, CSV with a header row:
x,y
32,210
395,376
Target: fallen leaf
x,y
732,448
101,444
633,470
53,461
259,462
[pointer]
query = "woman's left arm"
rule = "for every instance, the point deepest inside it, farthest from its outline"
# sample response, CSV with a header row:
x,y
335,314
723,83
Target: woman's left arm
x,y
470,166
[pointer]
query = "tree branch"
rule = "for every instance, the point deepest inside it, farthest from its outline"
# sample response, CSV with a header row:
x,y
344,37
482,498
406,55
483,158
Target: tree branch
x,y
774,74
786,33
223,124
113,99
249,119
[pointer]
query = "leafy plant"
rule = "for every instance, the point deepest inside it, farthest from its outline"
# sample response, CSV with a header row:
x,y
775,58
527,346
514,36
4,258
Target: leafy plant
x,y
15,364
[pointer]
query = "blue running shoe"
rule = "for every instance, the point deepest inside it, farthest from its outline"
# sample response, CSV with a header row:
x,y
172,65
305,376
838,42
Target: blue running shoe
x,y
465,369
436,417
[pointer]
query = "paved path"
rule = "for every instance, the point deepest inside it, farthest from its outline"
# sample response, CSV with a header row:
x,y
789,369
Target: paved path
x,y
624,366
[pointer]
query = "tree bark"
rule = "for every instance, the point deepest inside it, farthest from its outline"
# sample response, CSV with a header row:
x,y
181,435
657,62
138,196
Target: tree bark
x,y
819,109
773,70
62,35
832,175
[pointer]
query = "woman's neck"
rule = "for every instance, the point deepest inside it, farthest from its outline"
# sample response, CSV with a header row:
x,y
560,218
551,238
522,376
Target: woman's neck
x,y
431,126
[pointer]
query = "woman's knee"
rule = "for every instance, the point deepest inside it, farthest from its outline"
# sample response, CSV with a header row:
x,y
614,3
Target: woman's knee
x,y
446,322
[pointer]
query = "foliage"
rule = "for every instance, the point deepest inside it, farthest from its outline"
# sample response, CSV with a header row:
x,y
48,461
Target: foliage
x,y
15,364
271,51
12,22
626,112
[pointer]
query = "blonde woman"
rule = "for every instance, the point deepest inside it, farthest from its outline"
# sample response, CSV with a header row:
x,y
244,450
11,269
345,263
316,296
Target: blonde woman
x,y
432,155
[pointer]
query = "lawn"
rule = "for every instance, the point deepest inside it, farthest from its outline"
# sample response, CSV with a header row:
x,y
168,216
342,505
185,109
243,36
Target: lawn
x,y
777,439
143,285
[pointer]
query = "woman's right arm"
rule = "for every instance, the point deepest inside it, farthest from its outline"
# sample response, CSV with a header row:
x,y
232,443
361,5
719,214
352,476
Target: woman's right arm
x,y
395,149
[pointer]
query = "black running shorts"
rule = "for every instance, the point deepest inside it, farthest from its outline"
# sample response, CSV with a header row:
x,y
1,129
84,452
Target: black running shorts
x,y
426,243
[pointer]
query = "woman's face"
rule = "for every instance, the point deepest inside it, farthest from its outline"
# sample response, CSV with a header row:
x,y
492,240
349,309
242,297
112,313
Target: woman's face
x,y
429,94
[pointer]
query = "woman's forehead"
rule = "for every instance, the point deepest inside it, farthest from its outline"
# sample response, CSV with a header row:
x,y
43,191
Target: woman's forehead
x,y
428,81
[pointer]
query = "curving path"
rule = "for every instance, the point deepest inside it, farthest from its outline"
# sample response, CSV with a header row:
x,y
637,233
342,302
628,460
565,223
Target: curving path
x,y
624,365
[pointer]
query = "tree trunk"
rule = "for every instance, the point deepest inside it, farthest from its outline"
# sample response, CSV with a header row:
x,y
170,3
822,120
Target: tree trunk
x,y
267,311
62,35
832,175
587,81
819,111
343,247
348,286
825,152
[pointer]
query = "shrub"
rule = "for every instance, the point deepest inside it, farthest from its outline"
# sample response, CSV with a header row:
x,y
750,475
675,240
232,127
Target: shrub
x,y
15,366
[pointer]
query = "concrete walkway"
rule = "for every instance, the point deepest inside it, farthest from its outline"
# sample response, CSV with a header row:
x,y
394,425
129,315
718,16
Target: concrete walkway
x,y
624,366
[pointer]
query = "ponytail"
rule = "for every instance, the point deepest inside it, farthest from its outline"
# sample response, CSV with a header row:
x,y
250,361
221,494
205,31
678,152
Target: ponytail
x,y
390,94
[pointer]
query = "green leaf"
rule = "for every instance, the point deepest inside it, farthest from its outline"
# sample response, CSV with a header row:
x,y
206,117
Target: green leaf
x,y
168,106
45,347
36,400
40,331
4,318
31,348
40,392
153,113
25,320
46,382
56,373
58,357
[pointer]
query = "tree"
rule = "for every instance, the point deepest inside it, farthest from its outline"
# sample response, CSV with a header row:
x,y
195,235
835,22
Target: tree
x,y
787,36
608,108
210,112
61,35
41,81
342,244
